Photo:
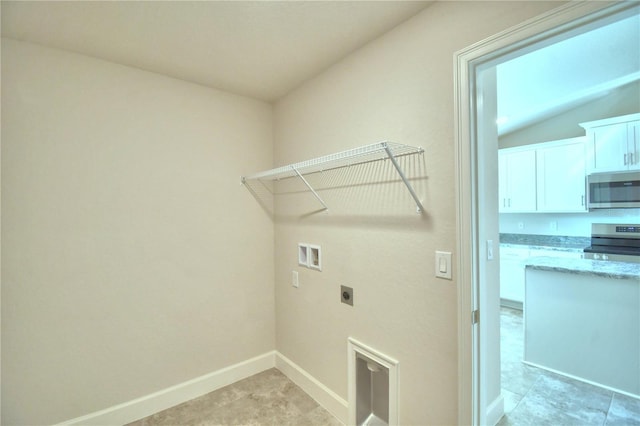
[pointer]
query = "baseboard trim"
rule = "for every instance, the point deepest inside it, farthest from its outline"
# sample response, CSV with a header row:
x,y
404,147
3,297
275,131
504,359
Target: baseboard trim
x,y
327,398
582,379
495,411
150,404
511,304
147,405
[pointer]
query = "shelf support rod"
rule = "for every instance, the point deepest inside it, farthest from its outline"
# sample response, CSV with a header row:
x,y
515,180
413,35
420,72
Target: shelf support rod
x,y
315,194
403,177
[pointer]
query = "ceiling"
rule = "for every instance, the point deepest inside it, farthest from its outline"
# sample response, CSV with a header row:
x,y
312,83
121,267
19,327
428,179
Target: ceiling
x,y
261,49
568,73
264,49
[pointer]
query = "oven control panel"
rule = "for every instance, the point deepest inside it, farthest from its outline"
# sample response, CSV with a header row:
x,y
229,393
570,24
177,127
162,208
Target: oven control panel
x,y
628,229
617,242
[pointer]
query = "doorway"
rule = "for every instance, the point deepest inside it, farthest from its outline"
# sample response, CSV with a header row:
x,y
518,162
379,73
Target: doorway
x,y
480,398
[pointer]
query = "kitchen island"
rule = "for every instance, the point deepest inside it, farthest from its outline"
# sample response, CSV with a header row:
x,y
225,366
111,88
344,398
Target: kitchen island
x,y
582,319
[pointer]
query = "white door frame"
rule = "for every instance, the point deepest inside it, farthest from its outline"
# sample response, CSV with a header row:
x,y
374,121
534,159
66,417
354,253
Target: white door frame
x,y
568,17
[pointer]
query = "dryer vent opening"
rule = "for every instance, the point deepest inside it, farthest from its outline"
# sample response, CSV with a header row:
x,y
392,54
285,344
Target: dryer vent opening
x,y
373,386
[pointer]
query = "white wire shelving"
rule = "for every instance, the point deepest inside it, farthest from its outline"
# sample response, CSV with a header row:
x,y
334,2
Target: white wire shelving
x,y
365,154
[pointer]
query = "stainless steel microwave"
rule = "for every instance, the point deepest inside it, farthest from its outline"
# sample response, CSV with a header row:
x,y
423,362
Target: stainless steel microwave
x,y
614,190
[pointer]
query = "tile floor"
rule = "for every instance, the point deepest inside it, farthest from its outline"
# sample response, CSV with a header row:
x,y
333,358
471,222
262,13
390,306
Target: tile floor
x,y
537,397
532,397
268,398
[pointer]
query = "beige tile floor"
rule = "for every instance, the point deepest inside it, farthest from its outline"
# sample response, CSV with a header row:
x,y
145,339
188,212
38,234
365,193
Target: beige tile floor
x,y
268,398
532,397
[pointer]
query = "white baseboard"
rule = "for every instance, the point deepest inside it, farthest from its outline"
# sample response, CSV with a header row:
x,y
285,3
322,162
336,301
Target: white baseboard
x,y
582,379
150,404
174,395
495,411
328,399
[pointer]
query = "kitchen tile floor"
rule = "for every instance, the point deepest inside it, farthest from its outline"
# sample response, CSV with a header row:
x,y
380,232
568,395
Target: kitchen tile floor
x,y
267,398
537,397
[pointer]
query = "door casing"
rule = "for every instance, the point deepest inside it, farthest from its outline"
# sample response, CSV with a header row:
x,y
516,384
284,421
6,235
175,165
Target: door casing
x,y
470,153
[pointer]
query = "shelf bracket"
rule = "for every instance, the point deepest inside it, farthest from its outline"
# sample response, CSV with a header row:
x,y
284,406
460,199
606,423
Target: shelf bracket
x,y
313,191
419,206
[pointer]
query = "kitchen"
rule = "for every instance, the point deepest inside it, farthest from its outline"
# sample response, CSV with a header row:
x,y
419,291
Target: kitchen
x,y
569,199
575,280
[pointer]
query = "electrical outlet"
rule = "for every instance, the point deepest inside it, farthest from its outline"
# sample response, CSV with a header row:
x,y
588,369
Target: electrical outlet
x,y
346,295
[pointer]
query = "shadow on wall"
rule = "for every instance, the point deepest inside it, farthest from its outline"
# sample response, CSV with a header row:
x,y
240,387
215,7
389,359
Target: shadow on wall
x,y
369,194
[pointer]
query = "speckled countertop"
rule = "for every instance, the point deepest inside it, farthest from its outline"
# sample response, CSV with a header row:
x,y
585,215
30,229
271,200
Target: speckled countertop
x,y
607,269
547,248
558,242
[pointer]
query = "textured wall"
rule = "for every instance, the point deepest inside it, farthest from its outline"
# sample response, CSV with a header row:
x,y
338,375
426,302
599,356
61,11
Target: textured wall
x,y
399,87
132,259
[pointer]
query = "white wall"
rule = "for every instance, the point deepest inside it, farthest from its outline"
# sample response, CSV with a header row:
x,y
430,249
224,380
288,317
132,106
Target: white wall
x,y
400,87
132,258
491,400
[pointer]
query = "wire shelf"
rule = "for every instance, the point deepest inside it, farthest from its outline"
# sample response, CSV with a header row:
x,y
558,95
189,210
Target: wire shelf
x,y
351,157
365,154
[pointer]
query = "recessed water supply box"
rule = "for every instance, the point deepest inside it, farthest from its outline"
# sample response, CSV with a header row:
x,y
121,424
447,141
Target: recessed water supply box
x,y
303,255
315,258
373,386
310,256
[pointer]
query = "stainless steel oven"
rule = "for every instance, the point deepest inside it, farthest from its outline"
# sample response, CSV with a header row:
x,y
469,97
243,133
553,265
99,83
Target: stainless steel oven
x,y
614,190
615,242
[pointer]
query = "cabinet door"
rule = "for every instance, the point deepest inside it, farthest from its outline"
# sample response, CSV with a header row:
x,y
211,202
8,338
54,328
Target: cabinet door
x,y
561,178
608,148
633,145
512,281
520,182
512,274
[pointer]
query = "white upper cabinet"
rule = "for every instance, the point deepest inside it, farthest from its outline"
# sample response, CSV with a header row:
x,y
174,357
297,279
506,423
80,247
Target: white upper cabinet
x,y
613,144
517,180
545,177
633,142
561,176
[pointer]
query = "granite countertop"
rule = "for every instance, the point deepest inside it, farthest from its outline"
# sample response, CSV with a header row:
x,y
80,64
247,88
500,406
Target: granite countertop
x,y
607,269
540,247
557,242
